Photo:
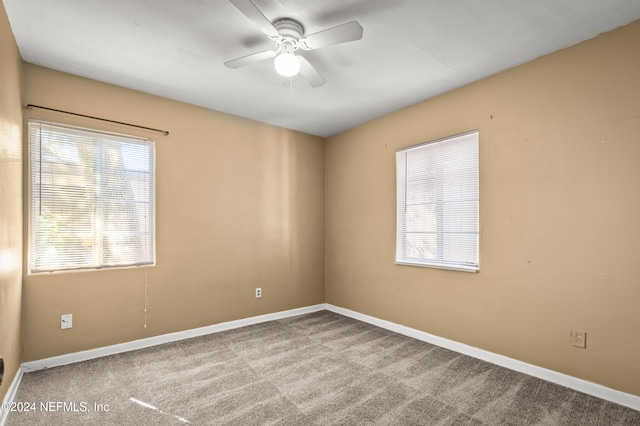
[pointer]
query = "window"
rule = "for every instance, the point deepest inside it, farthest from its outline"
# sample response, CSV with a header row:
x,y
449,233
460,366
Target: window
x,y
92,199
438,203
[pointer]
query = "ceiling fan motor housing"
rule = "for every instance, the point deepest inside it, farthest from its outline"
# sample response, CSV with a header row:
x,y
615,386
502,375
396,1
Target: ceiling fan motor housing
x,y
290,31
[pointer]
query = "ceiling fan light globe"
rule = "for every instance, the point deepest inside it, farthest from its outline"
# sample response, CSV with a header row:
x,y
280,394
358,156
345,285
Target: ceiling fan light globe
x,y
287,64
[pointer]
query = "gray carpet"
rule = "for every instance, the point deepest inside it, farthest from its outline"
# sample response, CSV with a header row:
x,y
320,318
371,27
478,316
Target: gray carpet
x,y
315,369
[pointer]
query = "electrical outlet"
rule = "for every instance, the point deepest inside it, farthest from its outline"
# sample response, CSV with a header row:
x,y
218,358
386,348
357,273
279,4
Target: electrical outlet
x,y
258,293
579,338
66,321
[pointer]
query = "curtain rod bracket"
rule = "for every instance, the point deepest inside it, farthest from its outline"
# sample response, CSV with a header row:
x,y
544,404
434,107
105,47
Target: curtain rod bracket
x,y
164,132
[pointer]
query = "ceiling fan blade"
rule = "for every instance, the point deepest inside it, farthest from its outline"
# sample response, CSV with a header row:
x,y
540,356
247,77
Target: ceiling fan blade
x,y
249,59
340,34
309,73
252,12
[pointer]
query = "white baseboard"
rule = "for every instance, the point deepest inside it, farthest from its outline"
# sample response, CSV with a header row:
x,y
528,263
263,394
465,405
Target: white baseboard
x,y
165,338
590,388
599,391
11,394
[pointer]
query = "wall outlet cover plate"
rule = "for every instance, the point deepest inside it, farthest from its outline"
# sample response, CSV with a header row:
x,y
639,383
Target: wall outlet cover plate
x,y
579,338
66,321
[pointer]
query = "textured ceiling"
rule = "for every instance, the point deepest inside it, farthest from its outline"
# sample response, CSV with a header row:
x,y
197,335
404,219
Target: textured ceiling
x,y
411,49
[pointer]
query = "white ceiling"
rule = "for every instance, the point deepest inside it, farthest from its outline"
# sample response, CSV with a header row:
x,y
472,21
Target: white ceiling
x,y
411,49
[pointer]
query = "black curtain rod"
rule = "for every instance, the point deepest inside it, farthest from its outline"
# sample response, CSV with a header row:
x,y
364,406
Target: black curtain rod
x,y
164,132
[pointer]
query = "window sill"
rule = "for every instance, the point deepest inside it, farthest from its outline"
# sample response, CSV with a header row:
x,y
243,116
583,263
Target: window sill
x,y
459,268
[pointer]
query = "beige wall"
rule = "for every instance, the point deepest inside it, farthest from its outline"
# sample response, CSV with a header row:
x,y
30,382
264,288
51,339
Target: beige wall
x,y
240,205
10,202
559,171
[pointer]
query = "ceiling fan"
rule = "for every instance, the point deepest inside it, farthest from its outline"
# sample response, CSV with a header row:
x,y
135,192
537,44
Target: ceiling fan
x,y
288,35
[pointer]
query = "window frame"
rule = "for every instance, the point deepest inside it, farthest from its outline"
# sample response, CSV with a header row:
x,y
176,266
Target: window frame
x,y
402,257
31,228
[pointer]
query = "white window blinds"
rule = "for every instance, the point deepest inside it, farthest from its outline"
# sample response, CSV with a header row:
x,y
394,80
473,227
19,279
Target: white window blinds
x,y
438,203
92,199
